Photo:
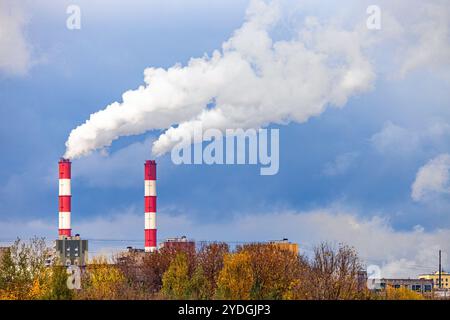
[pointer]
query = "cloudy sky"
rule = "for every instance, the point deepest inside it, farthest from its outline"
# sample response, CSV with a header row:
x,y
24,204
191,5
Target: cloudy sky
x,y
363,116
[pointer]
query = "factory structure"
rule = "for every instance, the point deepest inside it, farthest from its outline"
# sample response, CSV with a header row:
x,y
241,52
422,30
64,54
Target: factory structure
x,y
150,205
71,249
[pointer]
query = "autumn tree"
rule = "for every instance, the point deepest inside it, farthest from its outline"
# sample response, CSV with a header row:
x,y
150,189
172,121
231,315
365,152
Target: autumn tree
x,y
210,260
57,288
274,269
199,286
332,274
391,293
131,264
152,268
22,270
235,280
101,280
176,279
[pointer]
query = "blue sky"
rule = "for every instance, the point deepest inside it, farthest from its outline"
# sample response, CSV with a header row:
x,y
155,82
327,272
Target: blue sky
x,y
358,161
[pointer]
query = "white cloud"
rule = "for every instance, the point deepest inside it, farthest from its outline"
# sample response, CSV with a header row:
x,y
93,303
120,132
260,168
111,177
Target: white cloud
x,y
15,56
341,164
432,179
431,45
395,139
399,253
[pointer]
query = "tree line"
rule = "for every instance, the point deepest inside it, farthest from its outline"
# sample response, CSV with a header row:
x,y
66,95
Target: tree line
x,y
250,271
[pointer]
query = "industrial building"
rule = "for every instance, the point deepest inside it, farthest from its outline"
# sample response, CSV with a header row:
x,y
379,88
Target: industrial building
x,y
434,277
72,251
68,250
418,285
285,244
182,244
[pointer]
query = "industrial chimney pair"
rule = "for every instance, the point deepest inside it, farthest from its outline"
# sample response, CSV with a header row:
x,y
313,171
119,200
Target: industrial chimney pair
x,y
65,197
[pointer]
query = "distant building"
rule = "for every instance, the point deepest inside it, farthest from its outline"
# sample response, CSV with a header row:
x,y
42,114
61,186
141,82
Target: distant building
x,y
445,279
181,243
72,251
134,250
418,285
285,245
134,255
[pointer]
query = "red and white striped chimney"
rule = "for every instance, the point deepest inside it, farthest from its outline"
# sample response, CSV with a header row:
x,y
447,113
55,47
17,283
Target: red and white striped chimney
x,y
150,205
64,198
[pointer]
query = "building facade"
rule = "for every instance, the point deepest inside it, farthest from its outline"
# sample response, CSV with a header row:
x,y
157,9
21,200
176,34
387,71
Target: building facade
x,y
182,243
285,245
445,279
72,251
418,285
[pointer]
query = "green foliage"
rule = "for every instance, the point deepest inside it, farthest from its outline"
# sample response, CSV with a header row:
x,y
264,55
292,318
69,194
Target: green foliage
x,y
22,270
199,288
176,284
58,289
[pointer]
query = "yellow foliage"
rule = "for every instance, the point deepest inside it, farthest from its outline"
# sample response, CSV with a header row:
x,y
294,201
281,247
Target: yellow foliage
x,y
104,281
236,279
292,293
41,285
8,295
402,294
36,289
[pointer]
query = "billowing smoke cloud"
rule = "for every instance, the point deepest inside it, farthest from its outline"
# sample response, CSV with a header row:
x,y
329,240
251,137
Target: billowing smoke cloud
x,y
251,82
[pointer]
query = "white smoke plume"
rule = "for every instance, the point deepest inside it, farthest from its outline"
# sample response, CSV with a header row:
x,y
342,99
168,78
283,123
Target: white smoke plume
x,y
251,82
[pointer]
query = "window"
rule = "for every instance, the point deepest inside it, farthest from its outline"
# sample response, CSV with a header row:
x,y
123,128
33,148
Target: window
x,y
427,288
416,287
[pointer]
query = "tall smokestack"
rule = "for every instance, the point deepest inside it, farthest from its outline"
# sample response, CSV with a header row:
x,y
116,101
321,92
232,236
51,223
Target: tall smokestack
x,y
64,198
150,205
